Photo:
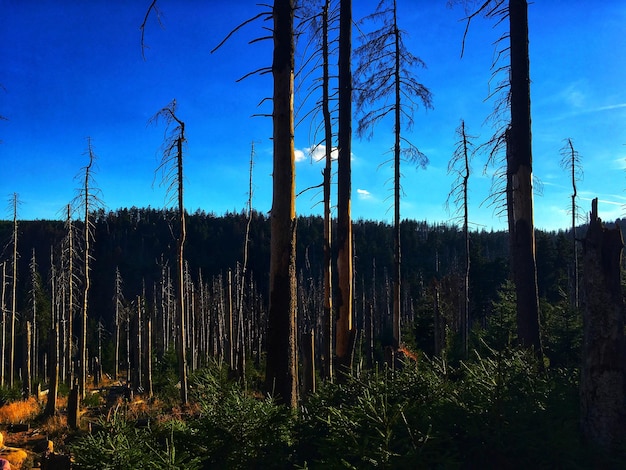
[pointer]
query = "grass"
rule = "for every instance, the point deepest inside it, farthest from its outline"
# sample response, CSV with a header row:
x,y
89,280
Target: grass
x,y
18,412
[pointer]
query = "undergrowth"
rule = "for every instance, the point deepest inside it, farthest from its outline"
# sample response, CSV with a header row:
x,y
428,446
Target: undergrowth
x,y
494,410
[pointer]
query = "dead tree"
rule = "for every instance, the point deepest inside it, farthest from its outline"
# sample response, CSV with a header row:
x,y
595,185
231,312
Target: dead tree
x,y
88,199
387,85
14,204
571,161
602,384
282,364
172,168
3,312
459,166
345,332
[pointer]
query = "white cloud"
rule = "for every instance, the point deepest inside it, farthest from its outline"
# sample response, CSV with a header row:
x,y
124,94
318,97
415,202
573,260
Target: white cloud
x,y
363,194
316,154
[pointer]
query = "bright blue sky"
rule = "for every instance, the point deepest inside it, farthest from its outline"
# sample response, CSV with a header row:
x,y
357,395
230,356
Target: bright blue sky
x,y
73,68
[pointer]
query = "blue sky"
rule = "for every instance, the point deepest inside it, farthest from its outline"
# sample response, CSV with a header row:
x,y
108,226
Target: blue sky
x,y
73,69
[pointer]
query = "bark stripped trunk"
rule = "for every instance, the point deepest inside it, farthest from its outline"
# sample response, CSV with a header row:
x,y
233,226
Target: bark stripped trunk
x,y
519,177
281,372
603,384
182,331
13,296
345,330
327,321
397,275
53,390
4,327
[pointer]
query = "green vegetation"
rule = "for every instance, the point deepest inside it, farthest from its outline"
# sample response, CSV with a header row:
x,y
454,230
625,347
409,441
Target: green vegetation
x,y
496,410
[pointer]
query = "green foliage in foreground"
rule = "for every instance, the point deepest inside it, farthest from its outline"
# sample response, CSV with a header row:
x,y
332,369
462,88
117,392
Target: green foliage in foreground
x,y
496,410
118,444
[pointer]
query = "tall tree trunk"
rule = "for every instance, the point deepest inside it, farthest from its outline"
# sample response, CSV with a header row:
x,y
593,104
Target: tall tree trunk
x,y
281,373
397,250
602,384
519,172
53,390
70,297
327,319
3,312
26,369
182,331
13,295
345,330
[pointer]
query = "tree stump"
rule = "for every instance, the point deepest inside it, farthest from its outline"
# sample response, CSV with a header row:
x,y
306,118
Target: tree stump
x,y
73,408
602,384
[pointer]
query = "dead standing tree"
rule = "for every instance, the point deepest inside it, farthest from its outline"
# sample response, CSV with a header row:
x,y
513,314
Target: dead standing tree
x,y
281,371
387,86
171,168
571,161
88,199
459,166
515,136
602,382
14,205
345,332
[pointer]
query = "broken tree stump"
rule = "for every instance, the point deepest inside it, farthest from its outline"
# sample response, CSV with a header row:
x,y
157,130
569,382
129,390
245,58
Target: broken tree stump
x,y
602,383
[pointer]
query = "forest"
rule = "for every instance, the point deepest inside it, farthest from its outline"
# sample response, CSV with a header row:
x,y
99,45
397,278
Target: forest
x,y
158,338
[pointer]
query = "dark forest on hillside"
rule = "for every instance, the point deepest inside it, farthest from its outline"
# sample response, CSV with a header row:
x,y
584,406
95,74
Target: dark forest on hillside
x,y
139,243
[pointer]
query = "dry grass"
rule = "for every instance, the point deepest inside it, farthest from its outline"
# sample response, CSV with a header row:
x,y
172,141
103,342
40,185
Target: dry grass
x,y
19,411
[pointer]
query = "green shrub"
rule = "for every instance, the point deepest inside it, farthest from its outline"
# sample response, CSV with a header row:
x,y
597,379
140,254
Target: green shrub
x,y
236,429
117,444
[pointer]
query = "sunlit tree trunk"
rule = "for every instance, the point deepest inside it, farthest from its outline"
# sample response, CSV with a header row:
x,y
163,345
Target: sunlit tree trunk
x,y
345,331
281,372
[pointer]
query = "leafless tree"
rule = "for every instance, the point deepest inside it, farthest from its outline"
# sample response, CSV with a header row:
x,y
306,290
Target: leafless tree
x,y
459,166
571,162
282,364
387,85
87,200
172,175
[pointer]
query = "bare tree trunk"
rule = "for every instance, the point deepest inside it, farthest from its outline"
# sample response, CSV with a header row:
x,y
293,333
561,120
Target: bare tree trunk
x,y
281,372
345,330
397,277
13,295
70,299
308,362
149,356
53,390
327,319
4,324
519,171
26,377
603,381
118,300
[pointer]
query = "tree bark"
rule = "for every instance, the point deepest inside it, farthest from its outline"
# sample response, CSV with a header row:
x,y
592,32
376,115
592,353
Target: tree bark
x,y
281,371
345,331
327,320
519,182
602,384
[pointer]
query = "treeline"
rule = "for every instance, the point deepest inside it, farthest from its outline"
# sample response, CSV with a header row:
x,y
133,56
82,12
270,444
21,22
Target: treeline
x,y
135,248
